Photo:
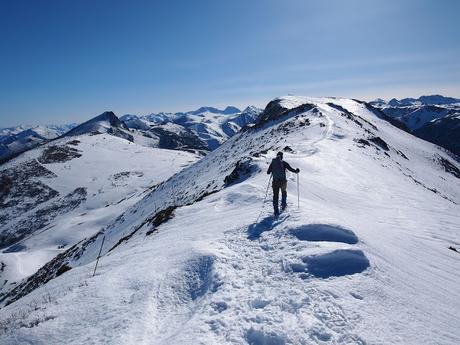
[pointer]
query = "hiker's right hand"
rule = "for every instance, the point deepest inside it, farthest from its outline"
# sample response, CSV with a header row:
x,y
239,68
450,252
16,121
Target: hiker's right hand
x,y
297,170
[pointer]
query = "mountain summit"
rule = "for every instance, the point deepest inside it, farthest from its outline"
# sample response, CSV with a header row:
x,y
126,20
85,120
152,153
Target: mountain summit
x,y
107,122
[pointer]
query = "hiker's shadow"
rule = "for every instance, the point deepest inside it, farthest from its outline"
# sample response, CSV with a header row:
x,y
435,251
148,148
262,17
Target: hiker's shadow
x,y
256,229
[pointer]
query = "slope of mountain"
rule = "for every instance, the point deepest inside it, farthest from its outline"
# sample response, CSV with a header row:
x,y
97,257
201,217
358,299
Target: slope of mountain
x,y
55,195
200,259
433,118
209,125
16,140
444,132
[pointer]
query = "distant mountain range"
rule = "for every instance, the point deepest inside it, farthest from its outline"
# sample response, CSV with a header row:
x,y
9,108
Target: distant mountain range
x,y
422,100
199,130
433,118
15,140
209,125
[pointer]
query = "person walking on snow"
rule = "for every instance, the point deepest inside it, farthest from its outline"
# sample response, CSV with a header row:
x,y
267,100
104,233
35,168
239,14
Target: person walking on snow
x,y
278,170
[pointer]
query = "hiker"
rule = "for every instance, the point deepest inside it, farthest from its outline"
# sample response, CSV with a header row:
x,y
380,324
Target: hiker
x,y
278,170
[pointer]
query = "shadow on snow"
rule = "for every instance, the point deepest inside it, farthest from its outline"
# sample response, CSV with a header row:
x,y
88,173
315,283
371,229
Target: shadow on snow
x,y
266,224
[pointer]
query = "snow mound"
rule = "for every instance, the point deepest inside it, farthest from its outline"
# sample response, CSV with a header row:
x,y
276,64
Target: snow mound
x,y
336,264
324,232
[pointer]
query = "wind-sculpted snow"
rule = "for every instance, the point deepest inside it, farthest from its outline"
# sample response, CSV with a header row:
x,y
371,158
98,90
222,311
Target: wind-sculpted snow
x,y
324,232
336,264
201,260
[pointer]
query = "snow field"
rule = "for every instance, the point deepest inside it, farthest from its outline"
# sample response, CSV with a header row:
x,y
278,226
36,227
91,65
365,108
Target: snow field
x,y
115,174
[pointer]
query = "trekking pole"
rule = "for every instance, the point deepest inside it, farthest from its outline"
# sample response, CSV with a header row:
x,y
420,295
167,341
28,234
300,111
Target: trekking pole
x,y
99,255
265,198
298,193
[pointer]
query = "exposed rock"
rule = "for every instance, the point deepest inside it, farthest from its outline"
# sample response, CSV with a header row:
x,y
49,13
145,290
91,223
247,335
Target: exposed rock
x,y
41,217
58,154
448,166
274,111
380,143
20,190
243,169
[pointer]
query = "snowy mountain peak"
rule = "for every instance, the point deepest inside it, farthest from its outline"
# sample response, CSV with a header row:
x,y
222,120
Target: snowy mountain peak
x,y
231,110
108,116
227,111
107,122
204,110
250,108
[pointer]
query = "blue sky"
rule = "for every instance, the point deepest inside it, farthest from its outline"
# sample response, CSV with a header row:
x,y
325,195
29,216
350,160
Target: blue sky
x,y
66,61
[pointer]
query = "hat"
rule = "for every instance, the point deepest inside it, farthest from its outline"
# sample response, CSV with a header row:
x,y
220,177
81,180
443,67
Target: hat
x,y
279,154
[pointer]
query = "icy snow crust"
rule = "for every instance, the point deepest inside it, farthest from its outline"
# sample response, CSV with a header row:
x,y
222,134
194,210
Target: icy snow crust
x,y
364,260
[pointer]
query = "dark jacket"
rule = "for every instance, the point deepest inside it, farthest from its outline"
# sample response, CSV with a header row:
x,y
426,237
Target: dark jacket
x,y
278,169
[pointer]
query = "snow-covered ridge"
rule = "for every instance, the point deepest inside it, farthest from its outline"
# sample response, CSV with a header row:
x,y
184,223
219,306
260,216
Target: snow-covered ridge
x,y
200,259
